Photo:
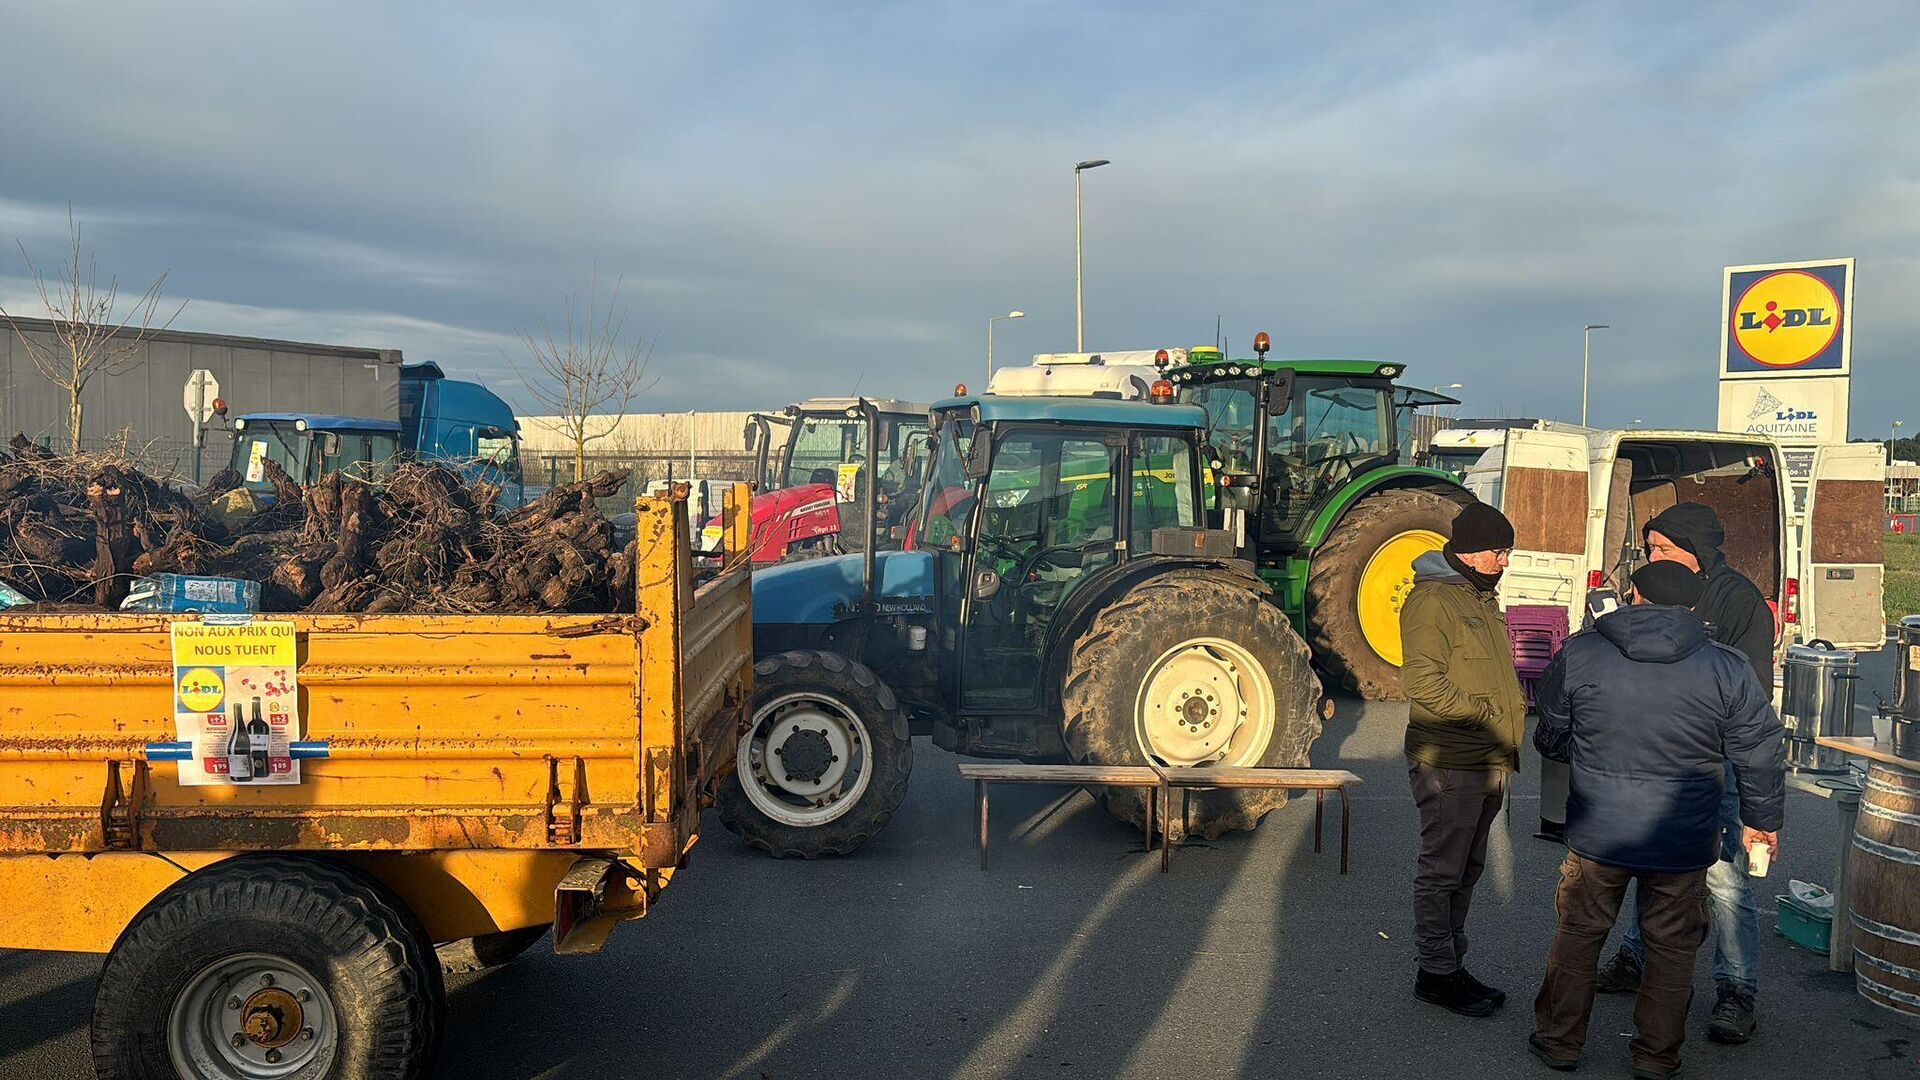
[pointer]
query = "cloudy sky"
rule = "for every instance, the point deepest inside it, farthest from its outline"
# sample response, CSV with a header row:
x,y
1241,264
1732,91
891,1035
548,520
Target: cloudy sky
x,y
802,198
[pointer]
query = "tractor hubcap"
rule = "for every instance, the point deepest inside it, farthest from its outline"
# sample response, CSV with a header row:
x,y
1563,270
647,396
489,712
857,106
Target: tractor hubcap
x,y
1205,701
805,761
1385,582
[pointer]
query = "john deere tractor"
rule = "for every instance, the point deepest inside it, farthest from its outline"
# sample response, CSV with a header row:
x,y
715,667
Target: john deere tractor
x,y
1060,598
1307,463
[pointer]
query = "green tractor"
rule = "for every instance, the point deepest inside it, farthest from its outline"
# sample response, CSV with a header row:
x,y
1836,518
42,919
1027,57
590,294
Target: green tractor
x,y
1059,598
1306,473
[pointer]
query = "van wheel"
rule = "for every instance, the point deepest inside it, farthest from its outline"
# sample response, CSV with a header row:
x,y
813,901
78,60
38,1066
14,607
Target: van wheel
x,y
269,966
824,761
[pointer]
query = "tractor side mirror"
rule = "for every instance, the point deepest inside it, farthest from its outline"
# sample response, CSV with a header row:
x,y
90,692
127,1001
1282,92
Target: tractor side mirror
x,y
979,459
1279,392
986,585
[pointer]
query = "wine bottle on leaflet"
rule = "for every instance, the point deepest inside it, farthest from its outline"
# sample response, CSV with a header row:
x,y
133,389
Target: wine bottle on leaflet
x,y
260,741
239,749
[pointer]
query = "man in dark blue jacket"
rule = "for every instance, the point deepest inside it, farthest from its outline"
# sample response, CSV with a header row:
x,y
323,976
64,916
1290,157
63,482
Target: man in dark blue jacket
x,y
1648,711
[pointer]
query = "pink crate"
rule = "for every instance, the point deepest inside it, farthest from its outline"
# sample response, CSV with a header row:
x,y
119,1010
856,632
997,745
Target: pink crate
x,y
1535,631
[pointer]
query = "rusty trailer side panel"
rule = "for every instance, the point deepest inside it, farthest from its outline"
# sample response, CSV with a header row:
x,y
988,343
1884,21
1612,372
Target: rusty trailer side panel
x,y
512,733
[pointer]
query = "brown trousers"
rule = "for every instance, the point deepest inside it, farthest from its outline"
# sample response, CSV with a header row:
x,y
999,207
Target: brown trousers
x,y
1674,915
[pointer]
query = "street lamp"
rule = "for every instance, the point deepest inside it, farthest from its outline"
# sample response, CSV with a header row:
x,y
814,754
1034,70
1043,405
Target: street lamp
x,y
1079,285
1586,354
1897,425
1454,386
990,322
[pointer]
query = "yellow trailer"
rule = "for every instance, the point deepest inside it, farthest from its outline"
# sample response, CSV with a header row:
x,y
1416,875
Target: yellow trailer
x,y
483,777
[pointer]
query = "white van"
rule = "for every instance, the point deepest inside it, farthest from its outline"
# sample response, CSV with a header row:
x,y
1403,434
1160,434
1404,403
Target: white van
x,y
1578,503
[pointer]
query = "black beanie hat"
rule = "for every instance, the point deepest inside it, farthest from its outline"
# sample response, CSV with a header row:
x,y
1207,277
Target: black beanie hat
x,y
1479,527
1668,582
1693,526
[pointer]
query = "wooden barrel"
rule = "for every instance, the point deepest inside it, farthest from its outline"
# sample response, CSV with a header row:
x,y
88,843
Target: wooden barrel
x,y
1886,890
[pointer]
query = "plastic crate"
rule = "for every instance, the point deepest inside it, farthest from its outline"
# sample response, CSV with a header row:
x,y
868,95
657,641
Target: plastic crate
x,y
1535,632
1811,930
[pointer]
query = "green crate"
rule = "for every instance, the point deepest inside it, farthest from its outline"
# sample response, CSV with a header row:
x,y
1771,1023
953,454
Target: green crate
x,y
1811,930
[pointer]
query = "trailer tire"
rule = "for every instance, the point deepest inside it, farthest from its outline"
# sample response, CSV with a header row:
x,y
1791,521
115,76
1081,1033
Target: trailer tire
x,y
854,710
487,950
1206,629
263,928
1353,603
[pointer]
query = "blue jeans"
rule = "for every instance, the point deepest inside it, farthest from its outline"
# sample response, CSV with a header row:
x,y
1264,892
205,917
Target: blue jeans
x,y
1736,914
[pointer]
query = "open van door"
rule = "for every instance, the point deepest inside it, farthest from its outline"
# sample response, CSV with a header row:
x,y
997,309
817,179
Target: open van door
x,y
1842,571
1543,491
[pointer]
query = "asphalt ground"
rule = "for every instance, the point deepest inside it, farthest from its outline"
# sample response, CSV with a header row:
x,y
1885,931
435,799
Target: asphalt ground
x,y
1073,957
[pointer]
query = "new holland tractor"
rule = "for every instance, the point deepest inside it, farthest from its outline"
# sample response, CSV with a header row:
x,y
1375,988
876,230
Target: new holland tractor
x,y
1060,598
811,463
1307,456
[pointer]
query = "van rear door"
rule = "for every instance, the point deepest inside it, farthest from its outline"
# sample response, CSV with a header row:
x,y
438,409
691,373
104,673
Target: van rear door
x,y
1543,491
1842,574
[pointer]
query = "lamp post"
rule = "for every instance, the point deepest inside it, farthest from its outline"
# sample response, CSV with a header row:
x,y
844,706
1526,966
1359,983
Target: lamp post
x,y
1456,405
1586,354
1079,283
990,322
1897,425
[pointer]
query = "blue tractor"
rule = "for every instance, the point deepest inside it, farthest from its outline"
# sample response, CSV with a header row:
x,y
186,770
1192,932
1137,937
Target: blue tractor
x,y
462,424
1059,599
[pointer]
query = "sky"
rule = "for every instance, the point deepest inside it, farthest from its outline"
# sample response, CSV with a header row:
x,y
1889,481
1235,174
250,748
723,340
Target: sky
x,y
806,199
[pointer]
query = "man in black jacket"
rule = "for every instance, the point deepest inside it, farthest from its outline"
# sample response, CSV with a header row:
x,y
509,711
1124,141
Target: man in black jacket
x,y
1649,712
1736,614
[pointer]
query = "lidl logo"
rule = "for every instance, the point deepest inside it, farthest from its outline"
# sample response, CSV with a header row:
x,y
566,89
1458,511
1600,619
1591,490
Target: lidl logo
x,y
202,690
1787,320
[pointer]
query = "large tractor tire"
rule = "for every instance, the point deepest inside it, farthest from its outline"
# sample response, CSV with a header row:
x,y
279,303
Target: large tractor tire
x,y
1361,576
1191,668
825,759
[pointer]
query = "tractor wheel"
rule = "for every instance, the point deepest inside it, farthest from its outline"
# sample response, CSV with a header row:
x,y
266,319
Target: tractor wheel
x,y
1359,579
1191,668
824,761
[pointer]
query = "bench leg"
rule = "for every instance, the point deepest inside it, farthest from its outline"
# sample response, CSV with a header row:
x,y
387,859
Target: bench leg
x,y
1166,833
1343,831
1319,816
1153,799
980,800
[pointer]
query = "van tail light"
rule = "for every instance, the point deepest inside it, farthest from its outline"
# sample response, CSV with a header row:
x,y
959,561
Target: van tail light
x,y
1596,579
1790,611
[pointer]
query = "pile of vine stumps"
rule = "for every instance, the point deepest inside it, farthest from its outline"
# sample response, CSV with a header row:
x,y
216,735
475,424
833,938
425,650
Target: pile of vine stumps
x,y
77,531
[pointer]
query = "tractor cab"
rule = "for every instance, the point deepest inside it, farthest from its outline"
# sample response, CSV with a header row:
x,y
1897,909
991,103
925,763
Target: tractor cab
x,y
1308,474
309,446
811,463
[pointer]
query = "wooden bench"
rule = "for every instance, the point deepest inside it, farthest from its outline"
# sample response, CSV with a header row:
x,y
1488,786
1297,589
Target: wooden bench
x,y
1318,781
1163,781
984,773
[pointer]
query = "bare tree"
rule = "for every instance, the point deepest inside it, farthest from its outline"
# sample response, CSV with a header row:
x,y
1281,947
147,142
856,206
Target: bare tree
x,y
589,374
91,336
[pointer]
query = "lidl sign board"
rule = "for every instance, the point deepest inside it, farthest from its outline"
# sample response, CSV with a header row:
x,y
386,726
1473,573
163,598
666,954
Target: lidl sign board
x,y
1787,319
1795,412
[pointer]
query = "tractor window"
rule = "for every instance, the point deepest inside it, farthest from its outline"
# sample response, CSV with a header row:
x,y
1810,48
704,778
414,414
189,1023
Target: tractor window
x,y
363,455
1333,428
1163,494
821,446
1231,407
948,500
1048,522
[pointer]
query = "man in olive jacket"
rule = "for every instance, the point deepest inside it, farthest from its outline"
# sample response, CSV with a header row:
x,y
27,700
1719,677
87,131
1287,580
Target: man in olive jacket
x,y
1465,721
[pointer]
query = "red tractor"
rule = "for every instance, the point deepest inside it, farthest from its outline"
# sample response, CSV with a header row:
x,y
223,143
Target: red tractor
x,y
809,475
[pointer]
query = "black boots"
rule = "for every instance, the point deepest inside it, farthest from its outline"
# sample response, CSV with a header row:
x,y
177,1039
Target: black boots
x,y
1620,975
1733,1019
1458,992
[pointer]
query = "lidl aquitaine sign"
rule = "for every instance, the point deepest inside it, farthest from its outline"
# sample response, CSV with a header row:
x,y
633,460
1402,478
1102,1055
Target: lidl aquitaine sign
x,y
1787,319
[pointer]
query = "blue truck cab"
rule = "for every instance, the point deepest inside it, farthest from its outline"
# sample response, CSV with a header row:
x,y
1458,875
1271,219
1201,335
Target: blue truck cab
x,y
462,424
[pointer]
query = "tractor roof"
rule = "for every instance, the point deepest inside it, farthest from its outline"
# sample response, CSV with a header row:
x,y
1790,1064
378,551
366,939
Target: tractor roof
x,y
887,406
1078,410
1363,368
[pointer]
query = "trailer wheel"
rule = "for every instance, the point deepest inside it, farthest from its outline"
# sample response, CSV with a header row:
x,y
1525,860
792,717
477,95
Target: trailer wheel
x,y
1359,579
487,950
269,966
1191,668
825,759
